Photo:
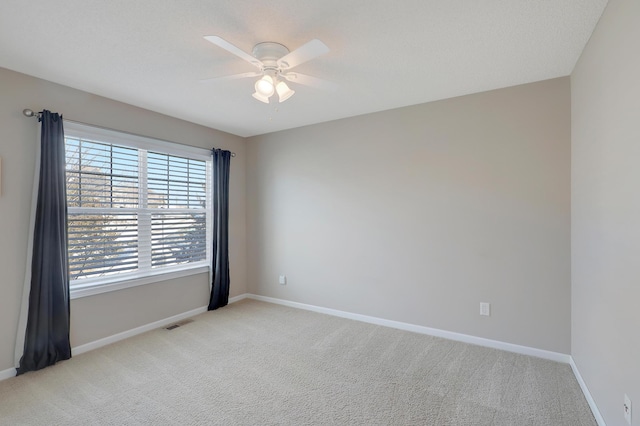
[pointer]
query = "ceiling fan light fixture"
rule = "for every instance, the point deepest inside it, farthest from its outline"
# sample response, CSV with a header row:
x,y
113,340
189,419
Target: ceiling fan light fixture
x,y
284,92
274,61
264,86
261,97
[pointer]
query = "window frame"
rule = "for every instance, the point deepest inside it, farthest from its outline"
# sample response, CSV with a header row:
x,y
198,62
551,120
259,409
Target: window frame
x,y
96,285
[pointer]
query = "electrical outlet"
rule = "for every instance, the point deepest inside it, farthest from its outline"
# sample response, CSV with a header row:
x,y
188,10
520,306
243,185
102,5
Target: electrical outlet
x,y
283,280
627,409
485,309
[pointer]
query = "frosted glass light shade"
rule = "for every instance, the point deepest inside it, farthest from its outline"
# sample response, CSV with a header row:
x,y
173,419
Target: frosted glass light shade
x,y
284,92
264,86
261,97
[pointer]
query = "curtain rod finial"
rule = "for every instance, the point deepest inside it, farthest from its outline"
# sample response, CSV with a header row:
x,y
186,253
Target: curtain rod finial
x,y
28,112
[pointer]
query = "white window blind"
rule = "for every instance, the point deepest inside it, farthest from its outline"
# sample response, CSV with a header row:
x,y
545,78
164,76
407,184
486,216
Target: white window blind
x,y
136,207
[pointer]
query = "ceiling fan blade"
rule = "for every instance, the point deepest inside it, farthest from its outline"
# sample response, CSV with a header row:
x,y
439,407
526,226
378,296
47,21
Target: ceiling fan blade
x,y
231,77
302,54
308,80
220,42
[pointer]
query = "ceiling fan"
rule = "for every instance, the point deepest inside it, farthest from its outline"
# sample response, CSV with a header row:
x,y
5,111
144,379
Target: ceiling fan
x,y
274,62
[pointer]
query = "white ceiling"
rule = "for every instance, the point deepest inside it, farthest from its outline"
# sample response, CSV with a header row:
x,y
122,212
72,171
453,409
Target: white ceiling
x,y
384,53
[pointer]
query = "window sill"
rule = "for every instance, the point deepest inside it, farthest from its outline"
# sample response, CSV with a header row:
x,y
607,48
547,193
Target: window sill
x,y
84,290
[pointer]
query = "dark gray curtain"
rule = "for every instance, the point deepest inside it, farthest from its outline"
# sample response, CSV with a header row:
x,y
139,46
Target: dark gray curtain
x,y
47,334
220,252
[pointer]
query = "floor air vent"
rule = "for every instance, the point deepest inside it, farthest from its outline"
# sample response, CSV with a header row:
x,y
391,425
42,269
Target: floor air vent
x,y
178,324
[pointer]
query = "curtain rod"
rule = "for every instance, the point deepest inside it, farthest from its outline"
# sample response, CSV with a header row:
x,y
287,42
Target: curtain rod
x,y
31,114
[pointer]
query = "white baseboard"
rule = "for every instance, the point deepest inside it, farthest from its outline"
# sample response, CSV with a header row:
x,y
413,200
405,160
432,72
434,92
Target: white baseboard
x,y
238,298
587,394
496,344
510,347
11,372
143,329
135,331
7,374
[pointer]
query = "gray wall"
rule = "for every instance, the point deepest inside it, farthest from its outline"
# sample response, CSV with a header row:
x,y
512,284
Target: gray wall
x,y
102,315
605,218
420,213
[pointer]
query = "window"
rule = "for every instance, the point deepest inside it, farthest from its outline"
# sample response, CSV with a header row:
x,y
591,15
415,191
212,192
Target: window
x,y
138,209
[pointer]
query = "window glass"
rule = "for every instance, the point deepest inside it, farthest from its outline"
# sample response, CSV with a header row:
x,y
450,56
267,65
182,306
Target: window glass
x,y
134,211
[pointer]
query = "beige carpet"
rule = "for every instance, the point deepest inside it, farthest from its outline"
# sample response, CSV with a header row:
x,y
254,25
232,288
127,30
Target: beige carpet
x,y
254,363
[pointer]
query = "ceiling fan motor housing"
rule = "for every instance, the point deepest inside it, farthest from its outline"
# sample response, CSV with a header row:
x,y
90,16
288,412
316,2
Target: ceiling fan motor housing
x,y
268,53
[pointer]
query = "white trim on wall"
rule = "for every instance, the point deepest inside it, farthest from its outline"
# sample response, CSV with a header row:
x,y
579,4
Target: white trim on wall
x,y
495,344
135,331
510,347
11,372
144,328
587,394
7,374
238,298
